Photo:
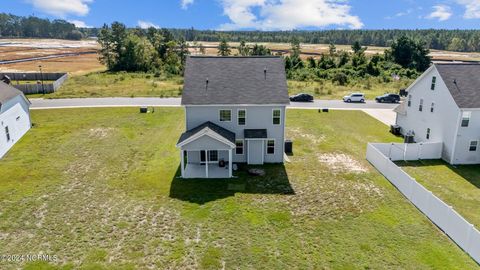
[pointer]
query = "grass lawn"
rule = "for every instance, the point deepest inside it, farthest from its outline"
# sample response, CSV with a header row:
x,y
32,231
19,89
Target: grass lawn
x,y
98,189
458,186
121,84
105,84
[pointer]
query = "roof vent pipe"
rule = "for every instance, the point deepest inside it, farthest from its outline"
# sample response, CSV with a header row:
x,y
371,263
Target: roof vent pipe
x,y
206,84
265,73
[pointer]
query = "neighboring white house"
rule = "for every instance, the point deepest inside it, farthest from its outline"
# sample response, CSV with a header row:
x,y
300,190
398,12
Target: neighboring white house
x,y
14,117
235,113
443,105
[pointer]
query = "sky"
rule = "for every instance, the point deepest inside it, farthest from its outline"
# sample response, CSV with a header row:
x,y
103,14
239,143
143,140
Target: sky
x,y
258,14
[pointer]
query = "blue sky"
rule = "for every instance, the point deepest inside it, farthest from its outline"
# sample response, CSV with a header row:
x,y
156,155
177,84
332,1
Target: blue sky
x,y
259,14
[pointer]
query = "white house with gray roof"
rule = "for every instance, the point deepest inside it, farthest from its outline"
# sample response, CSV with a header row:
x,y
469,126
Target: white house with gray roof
x,y
443,105
235,113
14,117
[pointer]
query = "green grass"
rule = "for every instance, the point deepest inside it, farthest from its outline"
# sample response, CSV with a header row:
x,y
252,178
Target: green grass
x,y
106,84
458,186
120,84
98,188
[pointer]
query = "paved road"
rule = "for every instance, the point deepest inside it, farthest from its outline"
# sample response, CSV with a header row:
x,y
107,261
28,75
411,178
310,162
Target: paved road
x,y
175,102
52,56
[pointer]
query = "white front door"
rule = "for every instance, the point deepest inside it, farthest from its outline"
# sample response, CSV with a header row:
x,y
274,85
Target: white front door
x,y
255,152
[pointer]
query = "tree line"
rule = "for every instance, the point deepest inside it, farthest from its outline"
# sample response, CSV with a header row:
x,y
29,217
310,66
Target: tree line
x,y
34,27
406,58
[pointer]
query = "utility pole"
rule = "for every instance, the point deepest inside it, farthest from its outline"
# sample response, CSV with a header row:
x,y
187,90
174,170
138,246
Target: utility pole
x,y
41,78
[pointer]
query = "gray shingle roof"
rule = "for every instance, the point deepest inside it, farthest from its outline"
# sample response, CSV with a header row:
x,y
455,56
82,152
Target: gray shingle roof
x,y
255,133
463,82
235,80
8,92
227,134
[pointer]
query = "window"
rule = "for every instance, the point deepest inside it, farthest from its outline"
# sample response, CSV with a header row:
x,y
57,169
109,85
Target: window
x,y
420,107
7,133
466,118
242,117
271,147
225,115
473,146
213,155
239,149
432,109
428,134
202,156
276,116
409,101
434,81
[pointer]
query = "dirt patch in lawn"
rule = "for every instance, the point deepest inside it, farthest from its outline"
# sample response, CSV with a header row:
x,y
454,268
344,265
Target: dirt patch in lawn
x,y
339,162
298,133
100,133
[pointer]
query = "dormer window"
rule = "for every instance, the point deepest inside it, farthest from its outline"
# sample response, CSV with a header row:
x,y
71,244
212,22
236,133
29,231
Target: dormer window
x,y
466,118
434,81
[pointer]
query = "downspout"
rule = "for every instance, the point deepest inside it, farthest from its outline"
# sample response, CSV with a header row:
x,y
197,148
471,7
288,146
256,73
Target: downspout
x,y
455,138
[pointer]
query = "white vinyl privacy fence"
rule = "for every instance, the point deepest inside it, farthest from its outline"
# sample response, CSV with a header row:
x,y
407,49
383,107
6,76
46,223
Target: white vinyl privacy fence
x,y
444,216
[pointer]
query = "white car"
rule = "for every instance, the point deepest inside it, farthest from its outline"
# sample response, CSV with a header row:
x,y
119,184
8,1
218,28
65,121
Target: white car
x,y
354,97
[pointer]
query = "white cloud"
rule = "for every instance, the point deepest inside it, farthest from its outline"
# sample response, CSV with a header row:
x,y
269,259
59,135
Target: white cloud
x,y
80,24
146,25
472,8
62,8
186,3
288,14
440,12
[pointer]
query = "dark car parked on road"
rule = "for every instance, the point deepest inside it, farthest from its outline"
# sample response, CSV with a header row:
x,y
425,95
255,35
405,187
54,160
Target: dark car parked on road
x,y
388,98
302,98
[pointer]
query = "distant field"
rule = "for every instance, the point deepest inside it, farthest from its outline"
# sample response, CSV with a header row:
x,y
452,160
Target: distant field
x,y
11,49
24,48
315,50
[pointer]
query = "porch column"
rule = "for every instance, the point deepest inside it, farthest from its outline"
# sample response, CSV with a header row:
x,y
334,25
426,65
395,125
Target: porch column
x,y
206,163
230,163
182,161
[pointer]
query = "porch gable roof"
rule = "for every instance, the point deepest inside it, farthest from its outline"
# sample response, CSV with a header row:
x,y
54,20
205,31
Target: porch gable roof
x,y
207,128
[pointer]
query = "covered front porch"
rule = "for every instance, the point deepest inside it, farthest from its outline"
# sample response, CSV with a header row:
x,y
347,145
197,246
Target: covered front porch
x,y
206,152
207,164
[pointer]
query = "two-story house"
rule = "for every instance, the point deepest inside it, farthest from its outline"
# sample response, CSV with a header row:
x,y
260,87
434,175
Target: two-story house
x,y
235,113
443,105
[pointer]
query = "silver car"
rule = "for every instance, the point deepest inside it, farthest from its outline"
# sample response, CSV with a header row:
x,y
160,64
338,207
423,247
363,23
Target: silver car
x,y
354,97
